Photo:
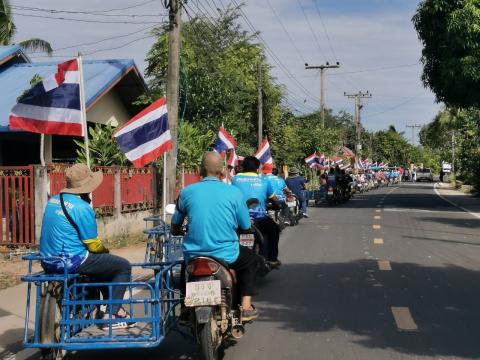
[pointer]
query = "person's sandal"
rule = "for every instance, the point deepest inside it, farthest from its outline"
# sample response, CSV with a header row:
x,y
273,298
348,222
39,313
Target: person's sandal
x,y
249,315
117,325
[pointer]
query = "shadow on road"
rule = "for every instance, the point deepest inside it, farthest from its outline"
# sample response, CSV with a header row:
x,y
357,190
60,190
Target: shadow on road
x,y
456,222
355,297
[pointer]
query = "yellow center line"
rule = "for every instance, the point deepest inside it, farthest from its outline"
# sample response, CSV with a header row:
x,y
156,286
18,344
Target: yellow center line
x,y
403,318
384,265
377,227
377,217
378,241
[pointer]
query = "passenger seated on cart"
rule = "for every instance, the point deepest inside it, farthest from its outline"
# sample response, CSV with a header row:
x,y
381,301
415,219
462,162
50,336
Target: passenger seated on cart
x,y
69,232
215,210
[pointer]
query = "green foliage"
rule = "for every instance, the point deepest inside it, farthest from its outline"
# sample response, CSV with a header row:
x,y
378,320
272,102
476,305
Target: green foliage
x,y
193,143
8,30
218,77
450,33
34,81
104,150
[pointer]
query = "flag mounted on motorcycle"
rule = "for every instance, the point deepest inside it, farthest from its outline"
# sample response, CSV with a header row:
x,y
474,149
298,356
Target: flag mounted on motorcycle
x,y
224,141
146,136
263,153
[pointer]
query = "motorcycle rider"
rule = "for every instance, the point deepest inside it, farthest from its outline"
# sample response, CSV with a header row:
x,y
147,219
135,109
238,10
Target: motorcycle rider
x,y
215,211
253,186
69,233
296,184
279,188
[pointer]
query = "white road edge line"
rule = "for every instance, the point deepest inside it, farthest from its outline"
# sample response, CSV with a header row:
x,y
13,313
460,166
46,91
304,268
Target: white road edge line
x,y
454,204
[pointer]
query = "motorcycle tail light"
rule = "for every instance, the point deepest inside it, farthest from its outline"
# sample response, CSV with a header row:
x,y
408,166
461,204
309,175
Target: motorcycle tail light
x,y
330,188
202,267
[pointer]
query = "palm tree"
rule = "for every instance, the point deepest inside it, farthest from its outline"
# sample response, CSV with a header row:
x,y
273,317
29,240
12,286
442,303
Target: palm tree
x,y
7,31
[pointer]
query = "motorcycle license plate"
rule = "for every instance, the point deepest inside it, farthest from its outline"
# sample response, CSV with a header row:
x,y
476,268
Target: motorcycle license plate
x,y
330,193
203,293
291,203
247,240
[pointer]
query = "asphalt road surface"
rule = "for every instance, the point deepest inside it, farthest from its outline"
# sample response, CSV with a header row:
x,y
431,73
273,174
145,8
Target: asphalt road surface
x,y
392,274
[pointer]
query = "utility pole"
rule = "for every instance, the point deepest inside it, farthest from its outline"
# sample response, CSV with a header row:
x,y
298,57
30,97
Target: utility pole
x,y
453,155
322,86
260,104
413,127
358,109
173,91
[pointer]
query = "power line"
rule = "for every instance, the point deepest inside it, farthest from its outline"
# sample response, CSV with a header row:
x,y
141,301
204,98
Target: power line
x,y
84,20
55,11
274,57
100,41
286,31
325,30
392,108
311,30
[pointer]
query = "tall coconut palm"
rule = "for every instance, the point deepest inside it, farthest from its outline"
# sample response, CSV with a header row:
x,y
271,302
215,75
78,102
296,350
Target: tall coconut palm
x,y
8,29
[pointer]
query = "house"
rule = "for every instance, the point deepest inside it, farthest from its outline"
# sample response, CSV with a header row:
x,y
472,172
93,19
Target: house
x,y
111,87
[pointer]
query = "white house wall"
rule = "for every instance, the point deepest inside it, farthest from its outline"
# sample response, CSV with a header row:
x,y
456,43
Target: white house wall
x,y
108,110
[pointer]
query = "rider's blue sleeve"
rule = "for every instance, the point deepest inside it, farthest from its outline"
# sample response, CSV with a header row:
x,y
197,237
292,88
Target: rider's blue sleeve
x,y
243,216
179,214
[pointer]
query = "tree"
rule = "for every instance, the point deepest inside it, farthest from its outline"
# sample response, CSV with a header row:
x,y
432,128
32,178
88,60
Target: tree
x,y
450,33
193,143
8,29
218,77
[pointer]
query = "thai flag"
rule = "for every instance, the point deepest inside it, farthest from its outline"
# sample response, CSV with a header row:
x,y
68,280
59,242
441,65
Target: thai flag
x,y
224,141
339,163
347,152
321,159
263,153
311,160
53,105
147,136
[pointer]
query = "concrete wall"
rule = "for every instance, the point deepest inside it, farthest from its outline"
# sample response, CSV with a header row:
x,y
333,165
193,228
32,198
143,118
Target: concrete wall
x,y
122,225
108,110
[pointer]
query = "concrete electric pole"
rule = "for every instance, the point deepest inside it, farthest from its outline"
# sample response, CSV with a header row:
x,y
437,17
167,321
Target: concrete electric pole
x,y
413,127
173,92
358,109
322,86
260,104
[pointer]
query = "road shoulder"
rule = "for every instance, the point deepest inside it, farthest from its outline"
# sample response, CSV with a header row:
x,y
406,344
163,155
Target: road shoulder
x,y
460,200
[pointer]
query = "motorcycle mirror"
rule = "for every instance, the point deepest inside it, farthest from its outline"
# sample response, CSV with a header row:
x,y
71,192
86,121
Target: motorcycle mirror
x,y
170,209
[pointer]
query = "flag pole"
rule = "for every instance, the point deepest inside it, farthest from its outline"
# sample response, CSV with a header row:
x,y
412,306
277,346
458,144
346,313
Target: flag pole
x,y
42,149
164,187
83,112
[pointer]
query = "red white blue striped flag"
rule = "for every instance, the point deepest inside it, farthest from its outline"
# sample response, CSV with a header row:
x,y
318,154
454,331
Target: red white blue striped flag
x,y
53,105
263,153
224,141
146,136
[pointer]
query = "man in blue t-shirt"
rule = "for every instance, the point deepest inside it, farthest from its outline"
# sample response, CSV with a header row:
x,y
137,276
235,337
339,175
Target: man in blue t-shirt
x,y
215,211
279,188
253,186
69,239
296,183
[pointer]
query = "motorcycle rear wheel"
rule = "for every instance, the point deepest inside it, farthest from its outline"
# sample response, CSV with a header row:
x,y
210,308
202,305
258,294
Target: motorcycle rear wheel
x,y
49,318
207,336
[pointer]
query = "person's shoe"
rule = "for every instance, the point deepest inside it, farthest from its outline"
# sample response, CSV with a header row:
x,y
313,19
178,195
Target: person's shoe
x,y
121,316
275,264
249,315
305,215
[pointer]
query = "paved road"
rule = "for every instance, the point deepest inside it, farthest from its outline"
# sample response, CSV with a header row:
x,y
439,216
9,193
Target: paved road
x,y
393,274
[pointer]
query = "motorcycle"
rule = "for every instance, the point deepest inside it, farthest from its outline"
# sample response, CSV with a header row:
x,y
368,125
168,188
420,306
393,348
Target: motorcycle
x,y
295,214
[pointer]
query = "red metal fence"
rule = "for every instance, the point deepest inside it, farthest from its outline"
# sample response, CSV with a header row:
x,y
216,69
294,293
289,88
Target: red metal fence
x,y
17,199
136,188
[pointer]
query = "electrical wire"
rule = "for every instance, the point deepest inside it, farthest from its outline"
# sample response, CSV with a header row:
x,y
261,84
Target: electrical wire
x,y
311,30
84,20
286,32
54,11
368,116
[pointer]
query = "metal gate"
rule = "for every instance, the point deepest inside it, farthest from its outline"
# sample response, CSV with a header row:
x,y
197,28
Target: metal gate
x,y
17,197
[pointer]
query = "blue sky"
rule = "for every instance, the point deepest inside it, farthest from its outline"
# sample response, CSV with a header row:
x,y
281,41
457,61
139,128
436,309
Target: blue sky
x,y
374,41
